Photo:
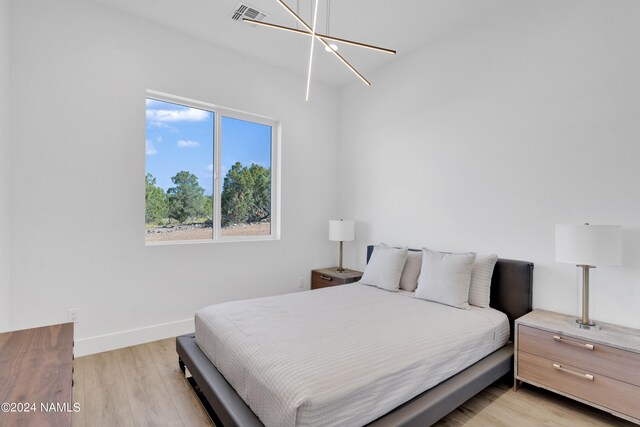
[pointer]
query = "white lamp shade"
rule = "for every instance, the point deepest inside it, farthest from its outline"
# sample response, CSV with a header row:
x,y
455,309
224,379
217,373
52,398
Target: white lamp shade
x,y
341,230
589,244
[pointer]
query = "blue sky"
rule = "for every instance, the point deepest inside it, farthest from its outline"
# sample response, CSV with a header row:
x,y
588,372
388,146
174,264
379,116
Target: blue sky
x,y
181,138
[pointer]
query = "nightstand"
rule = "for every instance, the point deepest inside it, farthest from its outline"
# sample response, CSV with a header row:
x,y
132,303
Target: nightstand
x,y
600,368
326,277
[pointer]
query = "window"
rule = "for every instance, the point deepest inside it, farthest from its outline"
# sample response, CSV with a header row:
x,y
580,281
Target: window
x,y
211,172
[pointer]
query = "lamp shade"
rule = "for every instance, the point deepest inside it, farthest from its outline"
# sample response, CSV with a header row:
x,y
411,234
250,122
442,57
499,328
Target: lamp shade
x,y
589,244
341,230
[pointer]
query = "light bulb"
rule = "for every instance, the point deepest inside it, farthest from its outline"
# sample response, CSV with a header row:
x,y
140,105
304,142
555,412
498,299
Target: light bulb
x,y
332,46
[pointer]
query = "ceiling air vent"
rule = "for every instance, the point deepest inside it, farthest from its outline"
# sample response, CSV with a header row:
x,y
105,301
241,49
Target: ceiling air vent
x,y
243,10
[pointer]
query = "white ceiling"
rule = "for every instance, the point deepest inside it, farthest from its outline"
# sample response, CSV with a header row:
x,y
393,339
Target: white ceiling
x,y
403,25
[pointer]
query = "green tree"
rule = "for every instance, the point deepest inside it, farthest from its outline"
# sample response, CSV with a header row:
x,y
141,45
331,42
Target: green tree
x,y
236,199
246,194
155,201
261,192
207,206
185,199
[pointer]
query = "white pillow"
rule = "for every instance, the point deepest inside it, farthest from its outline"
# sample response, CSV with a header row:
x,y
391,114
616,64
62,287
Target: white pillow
x,y
411,271
385,267
445,278
481,272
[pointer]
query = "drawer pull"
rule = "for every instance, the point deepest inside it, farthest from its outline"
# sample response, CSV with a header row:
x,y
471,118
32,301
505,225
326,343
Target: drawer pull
x,y
569,371
323,277
577,344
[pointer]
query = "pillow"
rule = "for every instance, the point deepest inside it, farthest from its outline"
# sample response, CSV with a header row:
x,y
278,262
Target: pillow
x,y
481,272
385,267
445,278
411,271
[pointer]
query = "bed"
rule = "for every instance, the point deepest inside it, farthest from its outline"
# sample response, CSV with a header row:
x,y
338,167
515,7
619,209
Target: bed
x,y
234,350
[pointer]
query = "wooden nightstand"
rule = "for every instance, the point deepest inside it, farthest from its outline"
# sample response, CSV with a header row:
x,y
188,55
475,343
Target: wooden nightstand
x,y
325,277
598,367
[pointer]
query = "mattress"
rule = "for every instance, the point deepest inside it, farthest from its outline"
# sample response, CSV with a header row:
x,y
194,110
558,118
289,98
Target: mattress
x,y
344,355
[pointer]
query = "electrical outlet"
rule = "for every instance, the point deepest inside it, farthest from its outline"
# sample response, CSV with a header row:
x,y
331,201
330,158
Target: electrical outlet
x,y
73,315
301,283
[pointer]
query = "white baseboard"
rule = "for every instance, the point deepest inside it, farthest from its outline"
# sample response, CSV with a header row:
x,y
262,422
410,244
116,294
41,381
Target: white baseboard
x,y
100,343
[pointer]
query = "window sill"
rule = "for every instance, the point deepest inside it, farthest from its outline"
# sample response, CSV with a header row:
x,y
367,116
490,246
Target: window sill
x,y
210,241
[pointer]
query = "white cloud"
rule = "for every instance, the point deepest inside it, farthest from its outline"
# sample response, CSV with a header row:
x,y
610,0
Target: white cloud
x,y
186,115
210,167
150,149
161,125
188,144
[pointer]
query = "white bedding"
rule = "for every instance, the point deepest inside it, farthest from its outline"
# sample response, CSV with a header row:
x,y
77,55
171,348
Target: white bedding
x,y
341,356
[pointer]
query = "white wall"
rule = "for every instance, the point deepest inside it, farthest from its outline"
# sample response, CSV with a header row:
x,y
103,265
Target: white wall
x,y
80,75
488,137
5,175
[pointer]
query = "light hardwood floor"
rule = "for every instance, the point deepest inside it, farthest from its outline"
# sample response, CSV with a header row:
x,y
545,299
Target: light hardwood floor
x,y
143,386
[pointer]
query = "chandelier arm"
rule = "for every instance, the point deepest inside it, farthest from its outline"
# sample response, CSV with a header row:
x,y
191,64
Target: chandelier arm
x,y
322,36
295,15
346,63
313,39
336,54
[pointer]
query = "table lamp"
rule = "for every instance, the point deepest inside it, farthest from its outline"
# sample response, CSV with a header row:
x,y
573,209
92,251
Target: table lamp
x,y
587,246
341,230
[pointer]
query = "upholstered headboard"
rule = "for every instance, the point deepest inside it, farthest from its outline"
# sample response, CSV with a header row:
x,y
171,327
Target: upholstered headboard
x,y
511,287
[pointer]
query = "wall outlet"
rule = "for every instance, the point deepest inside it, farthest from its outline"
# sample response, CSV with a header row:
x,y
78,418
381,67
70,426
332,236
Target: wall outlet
x,y
73,315
301,283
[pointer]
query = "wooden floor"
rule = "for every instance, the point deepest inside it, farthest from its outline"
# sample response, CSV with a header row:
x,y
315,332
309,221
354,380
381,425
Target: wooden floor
x,y
143,386
135,386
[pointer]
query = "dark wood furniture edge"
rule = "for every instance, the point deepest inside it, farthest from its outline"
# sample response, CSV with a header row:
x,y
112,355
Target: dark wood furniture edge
x,y
511,292
37,369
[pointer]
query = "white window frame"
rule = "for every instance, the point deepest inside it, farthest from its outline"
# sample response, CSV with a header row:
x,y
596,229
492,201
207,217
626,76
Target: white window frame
x,y
218,179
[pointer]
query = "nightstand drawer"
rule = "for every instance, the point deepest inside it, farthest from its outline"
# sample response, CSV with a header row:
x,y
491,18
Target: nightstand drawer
x,y
593,357
326,277
584,384
321,281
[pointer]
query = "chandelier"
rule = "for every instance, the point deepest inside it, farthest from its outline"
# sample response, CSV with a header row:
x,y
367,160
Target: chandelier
x,y
324,39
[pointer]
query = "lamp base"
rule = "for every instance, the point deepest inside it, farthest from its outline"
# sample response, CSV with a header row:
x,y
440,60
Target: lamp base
x,y
588,325
584,322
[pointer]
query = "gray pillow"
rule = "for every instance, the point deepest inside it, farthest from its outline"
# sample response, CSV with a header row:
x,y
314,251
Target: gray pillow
x,y
445,278
411,271
481,272
385,267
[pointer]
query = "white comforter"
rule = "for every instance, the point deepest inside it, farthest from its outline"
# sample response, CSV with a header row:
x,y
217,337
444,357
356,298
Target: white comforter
x,y
343,355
